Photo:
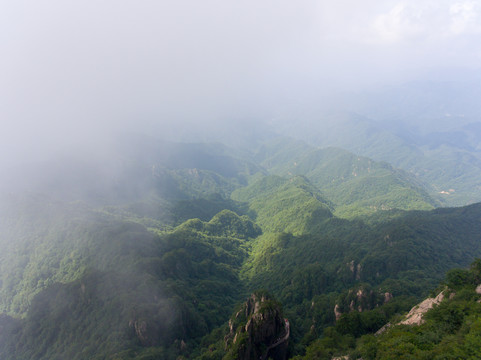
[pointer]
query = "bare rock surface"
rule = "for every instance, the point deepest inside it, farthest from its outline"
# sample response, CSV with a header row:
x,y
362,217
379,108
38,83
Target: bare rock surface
x,y
415,315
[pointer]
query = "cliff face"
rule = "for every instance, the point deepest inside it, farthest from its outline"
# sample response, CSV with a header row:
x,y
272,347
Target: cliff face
x,y
258,330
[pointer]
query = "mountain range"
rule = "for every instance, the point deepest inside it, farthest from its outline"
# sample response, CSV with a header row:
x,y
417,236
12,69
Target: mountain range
x,y
146,250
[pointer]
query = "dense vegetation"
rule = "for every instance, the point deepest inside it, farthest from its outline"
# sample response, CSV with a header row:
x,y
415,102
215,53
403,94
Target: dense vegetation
x,y
355,184
448,162
154,267
122,285
450,330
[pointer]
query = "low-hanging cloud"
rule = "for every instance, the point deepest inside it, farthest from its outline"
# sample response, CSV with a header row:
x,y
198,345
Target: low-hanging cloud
x,y
73,70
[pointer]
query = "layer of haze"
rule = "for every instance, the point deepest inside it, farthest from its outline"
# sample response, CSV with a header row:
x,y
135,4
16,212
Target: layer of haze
x,y
72,71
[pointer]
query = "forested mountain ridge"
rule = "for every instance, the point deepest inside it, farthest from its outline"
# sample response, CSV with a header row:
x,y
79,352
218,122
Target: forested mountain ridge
x,y
446,160
285,205
120,284
353,183
133,168
154,268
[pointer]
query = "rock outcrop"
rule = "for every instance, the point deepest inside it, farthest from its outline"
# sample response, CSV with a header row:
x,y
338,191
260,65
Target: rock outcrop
x,y
415,316
258,330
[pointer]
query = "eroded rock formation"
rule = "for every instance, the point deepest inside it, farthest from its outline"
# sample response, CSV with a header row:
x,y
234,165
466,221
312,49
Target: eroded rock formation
x,y
258,330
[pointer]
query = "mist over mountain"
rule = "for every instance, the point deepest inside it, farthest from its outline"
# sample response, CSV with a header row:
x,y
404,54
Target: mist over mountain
x,y
189,71
222,180
162,246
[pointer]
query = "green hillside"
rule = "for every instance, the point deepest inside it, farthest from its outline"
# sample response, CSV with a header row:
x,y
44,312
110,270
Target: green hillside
x,y
446,161
355,184
285,205
403,255
449,329
157,267
115,285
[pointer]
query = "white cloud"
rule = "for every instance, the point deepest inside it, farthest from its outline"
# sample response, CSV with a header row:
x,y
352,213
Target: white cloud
x,y
399,23
73,65
465,17
410,20
423,21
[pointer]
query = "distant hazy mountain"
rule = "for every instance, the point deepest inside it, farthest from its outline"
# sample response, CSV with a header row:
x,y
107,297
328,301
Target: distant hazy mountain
x,y
431,130
354,184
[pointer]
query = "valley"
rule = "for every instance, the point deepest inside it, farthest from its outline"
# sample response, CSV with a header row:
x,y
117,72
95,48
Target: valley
x,y
181,234
240,180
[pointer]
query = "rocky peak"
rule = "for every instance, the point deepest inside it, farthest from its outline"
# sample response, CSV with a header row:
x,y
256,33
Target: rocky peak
x,y
258,330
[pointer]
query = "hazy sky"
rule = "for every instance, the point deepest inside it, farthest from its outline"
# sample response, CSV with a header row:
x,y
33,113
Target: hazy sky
x,y
70,68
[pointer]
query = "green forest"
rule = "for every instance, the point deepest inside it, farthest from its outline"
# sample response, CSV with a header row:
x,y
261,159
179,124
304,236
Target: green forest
x,y
199,251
